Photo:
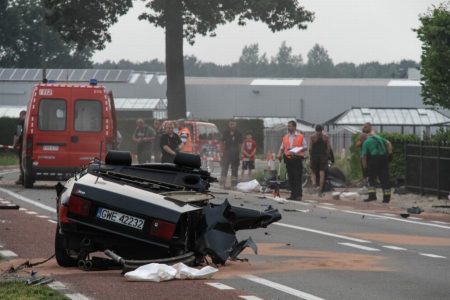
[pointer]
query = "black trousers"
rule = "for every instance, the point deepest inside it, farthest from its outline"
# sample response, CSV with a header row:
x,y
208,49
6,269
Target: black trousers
x,y
294,167
230,159
378,167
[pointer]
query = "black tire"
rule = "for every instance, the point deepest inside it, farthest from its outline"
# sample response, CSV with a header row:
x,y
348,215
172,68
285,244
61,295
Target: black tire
x,y
61,252
28,181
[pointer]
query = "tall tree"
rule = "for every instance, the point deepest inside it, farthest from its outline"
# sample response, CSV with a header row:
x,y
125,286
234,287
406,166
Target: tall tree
x,y
319,63
86,22
434,33
27,42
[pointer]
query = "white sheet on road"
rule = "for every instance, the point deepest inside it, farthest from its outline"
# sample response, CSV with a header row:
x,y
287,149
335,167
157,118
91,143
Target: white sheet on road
x,y
161,272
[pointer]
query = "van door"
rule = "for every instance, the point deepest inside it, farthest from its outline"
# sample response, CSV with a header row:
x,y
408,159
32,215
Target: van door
x,y
50,139
88,139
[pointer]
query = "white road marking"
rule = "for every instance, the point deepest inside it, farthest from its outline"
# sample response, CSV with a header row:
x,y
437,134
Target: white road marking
x,y
432,255
396,219
22,209
415,218
250,297
280,287
440,222
389,215
56,285
5,201
359,247
51,221
322,232
76,296
27,200
327,207
43,217
31,212
326,203
394,248
220,286
7,253
10,172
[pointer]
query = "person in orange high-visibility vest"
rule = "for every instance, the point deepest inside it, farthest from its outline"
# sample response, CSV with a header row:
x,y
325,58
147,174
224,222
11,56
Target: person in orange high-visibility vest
x,y
185,134
292,150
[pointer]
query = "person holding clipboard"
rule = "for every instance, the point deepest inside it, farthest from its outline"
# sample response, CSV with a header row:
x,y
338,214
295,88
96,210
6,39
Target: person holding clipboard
x,y
292,151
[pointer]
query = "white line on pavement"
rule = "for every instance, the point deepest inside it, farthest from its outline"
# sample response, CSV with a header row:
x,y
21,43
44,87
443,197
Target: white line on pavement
x,y
359,247
394,248
76,296
396,219
27,200
280,287
10,172
327,207
31,212
415,218
322,232
51,221
440,222
43,217
250,298
432,255
7,253
57,285
220,286
389,215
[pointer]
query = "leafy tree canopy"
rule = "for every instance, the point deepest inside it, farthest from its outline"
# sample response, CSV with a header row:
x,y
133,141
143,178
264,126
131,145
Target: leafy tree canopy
x,y
27,42
86,23
434,33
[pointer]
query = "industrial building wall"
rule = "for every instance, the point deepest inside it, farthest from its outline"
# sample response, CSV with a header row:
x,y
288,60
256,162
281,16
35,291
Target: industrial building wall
x,y
314,103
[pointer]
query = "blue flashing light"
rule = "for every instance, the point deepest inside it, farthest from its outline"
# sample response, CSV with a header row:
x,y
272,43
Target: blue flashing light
x,y
93,81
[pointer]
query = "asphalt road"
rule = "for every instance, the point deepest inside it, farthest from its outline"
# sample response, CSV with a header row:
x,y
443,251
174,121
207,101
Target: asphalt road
x,y
317,251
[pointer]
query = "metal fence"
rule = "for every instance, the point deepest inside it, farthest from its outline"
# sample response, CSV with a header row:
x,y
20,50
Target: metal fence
x,y
427,168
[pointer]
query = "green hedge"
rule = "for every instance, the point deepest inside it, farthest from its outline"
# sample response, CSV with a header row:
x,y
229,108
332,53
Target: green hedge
x,y
8,128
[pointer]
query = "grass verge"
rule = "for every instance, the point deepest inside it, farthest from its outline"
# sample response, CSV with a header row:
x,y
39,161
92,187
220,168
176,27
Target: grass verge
x,y
8,159
19,290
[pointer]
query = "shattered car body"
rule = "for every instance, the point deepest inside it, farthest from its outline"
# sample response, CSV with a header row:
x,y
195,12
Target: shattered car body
x,y
150,212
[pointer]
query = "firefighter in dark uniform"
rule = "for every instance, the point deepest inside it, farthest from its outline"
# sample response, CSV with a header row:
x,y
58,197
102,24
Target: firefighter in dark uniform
x,y
231,145
376,152
292,150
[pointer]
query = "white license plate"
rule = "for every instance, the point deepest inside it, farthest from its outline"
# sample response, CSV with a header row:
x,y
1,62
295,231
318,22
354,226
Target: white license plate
x,y
51,148
117,217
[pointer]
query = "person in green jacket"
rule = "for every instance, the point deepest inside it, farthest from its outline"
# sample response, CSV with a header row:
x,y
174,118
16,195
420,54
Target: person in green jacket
x,y
376,152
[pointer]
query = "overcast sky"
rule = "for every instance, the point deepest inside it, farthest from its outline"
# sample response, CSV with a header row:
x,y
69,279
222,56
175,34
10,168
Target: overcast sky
x,y
351,30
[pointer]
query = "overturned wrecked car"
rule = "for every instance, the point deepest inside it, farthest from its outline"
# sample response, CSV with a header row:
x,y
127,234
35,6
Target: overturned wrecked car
x,y
139,214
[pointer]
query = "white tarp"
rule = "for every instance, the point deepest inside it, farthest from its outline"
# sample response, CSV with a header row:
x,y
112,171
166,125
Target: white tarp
x,y
161,272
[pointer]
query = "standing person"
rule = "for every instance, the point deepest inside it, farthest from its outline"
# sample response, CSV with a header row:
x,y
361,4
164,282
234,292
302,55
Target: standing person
x,y
292,150
143,136
185,134
376,152
157,126
18,139
320,152
248,155
170,143
231,146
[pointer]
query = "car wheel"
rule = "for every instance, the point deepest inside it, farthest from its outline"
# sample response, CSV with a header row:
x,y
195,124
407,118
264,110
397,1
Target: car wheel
x,y
61,252
28,181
